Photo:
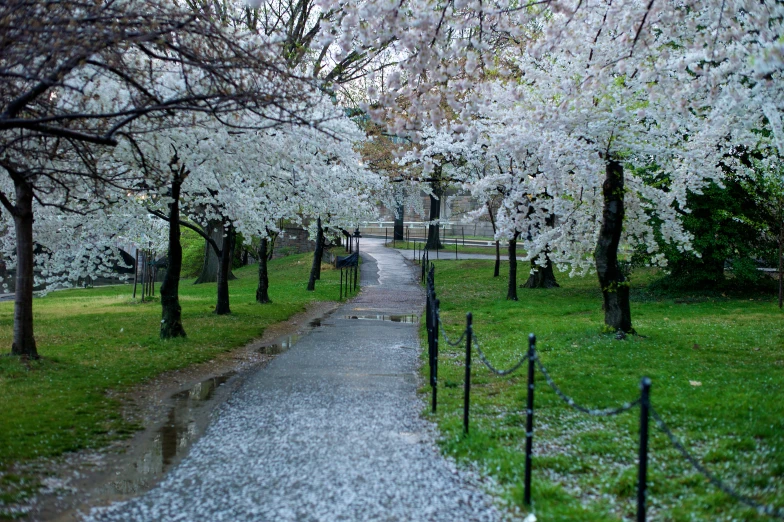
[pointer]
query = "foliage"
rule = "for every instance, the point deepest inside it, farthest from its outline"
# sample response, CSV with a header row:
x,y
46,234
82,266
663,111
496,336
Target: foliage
x,y
192,253
727,226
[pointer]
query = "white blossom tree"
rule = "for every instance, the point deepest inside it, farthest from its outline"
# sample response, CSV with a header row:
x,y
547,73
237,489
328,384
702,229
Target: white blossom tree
x,y
89,75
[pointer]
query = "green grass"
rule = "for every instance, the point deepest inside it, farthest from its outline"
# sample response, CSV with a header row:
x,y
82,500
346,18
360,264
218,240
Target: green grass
x,y
100,339
585,467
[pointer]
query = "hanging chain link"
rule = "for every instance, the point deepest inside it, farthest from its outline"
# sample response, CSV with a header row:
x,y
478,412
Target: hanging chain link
x,y
607,412
446,337
493,368
770,511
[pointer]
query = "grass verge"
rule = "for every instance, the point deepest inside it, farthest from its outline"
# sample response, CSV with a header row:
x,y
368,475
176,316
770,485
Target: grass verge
x,y
717,366
99,339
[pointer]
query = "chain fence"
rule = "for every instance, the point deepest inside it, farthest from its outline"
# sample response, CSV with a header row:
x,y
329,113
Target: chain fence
x,y
607,412
762,509
435,326
489,365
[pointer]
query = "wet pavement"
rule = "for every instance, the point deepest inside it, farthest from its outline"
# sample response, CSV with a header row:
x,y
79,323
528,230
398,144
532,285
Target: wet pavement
x,y
329,430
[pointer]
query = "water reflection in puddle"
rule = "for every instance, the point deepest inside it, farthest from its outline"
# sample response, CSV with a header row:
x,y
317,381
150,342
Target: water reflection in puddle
x,y
393,318
182,427
280,345
185,421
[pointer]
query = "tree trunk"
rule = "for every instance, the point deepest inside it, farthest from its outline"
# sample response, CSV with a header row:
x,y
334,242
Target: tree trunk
x,y
399,234
615,288
497,268
316,266
24,342
511,291
222,307
433,239
541,276
262,295
171,312
321,241
211,265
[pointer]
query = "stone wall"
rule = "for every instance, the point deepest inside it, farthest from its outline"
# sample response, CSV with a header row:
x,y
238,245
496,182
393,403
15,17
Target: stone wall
x,y
293,240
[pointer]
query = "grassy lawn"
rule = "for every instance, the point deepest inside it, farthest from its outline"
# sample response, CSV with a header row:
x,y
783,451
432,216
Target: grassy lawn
x,y
94,340
717,366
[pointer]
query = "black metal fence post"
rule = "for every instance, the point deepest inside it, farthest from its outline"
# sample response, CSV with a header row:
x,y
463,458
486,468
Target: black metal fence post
x,y
435,352
469,332
356,268
642,477
529,422
429,323
455,248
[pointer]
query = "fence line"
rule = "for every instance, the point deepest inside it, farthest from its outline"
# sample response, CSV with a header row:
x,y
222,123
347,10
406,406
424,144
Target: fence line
x,y
435,325
762,509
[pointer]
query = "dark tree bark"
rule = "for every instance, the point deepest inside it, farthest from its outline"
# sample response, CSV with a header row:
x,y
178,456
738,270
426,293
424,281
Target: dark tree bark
x,y
541,276
615,288
209,269
24,341
399,234
271,245
222,306
497,268
171,311
262,295
321,243
511,291
433,230
212,262
316,266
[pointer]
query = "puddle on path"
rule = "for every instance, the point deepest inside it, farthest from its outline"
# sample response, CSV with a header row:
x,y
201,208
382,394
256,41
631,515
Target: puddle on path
x,y
184,416
183,425
315,323
394,318
280,345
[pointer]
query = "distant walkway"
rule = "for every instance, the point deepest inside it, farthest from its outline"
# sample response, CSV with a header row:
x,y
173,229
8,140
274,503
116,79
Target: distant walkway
x,y
330,430
450,254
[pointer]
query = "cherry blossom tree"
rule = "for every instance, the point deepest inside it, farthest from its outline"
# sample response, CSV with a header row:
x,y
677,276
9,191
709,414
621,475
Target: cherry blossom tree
x,y
584,88
88,75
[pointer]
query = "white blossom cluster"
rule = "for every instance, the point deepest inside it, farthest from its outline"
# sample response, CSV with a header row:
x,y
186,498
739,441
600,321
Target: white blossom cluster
x,y
532,101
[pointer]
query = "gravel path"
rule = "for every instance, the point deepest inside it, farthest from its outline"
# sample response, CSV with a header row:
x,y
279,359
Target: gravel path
x,y
330,430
